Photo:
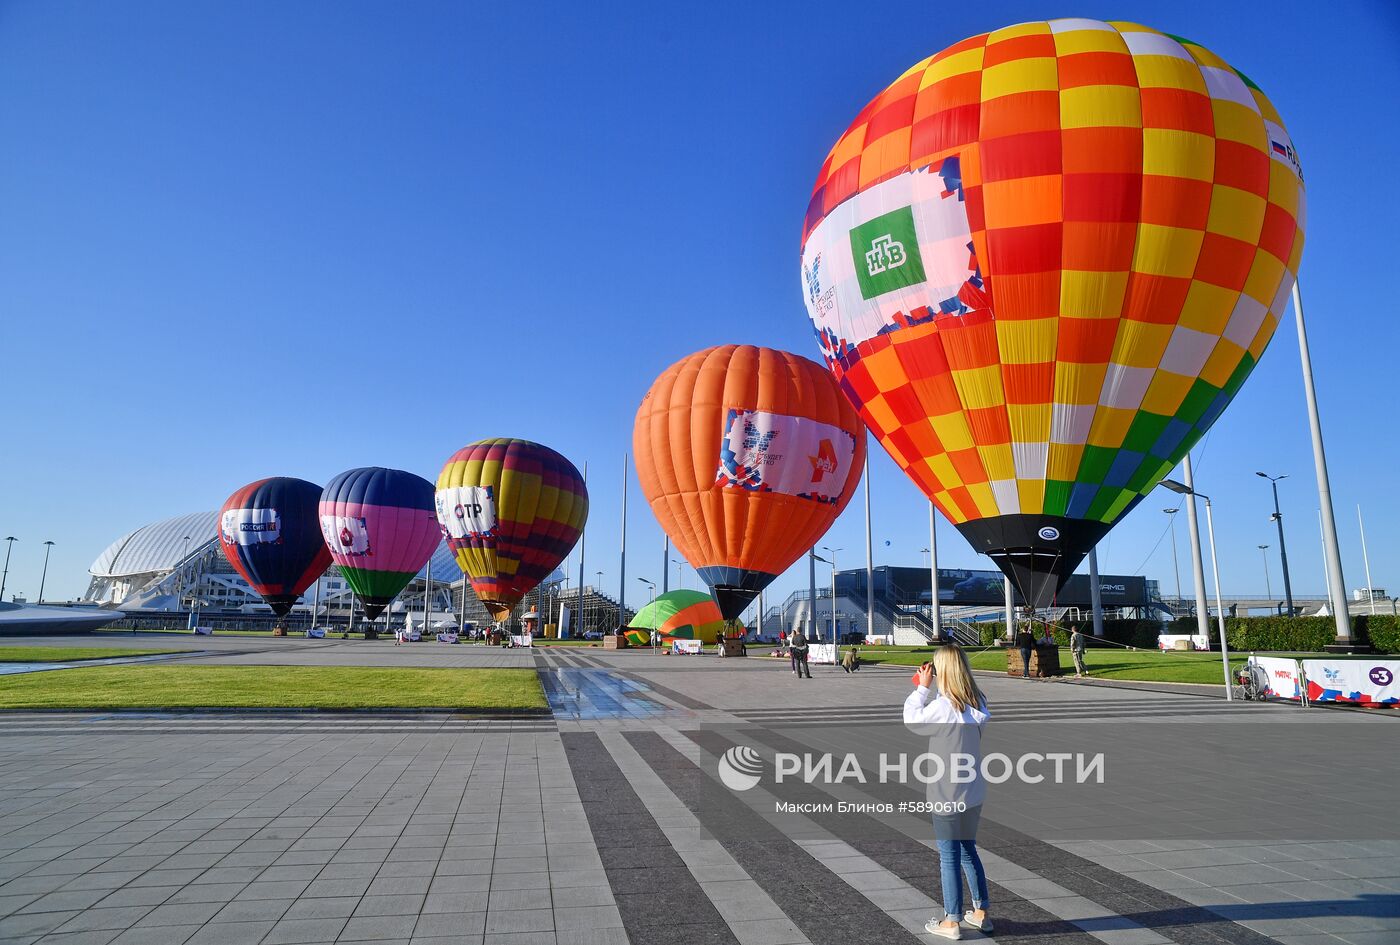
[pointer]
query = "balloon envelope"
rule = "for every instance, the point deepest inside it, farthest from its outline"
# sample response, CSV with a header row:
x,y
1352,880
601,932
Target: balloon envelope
x,y
746,455
683,614
269,533
511,511
1041,263
379,526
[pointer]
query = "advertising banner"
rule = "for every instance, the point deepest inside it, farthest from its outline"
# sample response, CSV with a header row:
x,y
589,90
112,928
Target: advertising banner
x,y
822,653
1169,641
522,639
447,637
1364,681
774,452
467,512
686,647
316,633
251,526
1280,678
346,535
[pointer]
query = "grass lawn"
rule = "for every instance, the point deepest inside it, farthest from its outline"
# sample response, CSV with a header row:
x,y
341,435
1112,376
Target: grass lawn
x,y
69,654
1106,663
282,687
191,633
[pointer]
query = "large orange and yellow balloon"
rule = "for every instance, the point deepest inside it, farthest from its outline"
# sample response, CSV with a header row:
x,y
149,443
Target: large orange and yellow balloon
x,y
1041,263
746,455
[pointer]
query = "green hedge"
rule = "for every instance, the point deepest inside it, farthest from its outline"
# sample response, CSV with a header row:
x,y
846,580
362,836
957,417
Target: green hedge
x,y
1384,632
1260,634
1303,634
1139,633
991,632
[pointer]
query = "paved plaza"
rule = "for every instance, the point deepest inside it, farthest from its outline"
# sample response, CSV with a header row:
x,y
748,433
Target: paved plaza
x,y
605,821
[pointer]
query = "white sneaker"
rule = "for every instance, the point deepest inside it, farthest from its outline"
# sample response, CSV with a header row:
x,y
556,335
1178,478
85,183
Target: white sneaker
x,y
985,926
935,926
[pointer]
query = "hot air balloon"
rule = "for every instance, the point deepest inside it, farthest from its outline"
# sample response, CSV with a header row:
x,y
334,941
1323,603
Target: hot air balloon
x,y
268,532
511,511
746,455
680,615
379,526
1041,263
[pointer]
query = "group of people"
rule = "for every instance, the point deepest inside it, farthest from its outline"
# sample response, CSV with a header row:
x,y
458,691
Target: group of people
x,y
1026,642
798,650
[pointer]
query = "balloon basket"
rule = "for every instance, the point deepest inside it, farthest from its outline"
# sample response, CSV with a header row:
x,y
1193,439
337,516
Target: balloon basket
x,y
279,631
371,634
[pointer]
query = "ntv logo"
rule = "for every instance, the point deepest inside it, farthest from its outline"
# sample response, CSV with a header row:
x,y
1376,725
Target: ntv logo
x,y
885,253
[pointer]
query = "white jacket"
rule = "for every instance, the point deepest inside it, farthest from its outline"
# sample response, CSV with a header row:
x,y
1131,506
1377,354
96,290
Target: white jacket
x,y
951,733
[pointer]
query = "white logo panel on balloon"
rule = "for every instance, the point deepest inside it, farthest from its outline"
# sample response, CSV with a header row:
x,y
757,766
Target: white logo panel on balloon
x,y
467,512
841,316
774,452
346,535
251,526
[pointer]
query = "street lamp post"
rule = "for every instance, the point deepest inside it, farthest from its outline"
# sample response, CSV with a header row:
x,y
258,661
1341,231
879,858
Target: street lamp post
x,y
1185,490
1268,588
650,585
1175,568
9,546
48,546
1282,549
598,593
832,562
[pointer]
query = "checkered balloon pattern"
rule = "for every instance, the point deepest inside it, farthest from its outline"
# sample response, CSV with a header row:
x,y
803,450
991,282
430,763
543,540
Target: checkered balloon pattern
x,y
1042,262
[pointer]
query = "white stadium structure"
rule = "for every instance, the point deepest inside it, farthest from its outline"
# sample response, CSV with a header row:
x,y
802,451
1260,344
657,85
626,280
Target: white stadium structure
x,y
177,567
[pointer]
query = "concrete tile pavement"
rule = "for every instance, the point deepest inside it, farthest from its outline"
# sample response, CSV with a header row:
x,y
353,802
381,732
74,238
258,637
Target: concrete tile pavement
x,y
360,831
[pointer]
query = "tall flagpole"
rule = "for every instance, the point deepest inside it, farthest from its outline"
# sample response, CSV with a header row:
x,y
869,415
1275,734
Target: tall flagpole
x,y
1198,568
869,562
935,611
577,629
1336,586
622,562
1370,592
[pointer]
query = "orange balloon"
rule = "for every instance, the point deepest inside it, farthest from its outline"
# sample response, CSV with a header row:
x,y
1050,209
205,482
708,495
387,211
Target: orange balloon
x,y
746,456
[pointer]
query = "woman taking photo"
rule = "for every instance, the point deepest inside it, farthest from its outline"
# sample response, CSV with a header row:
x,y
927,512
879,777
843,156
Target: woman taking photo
x,y
954,718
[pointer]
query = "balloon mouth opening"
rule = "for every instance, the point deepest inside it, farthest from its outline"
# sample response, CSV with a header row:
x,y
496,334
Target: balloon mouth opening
x,y
1037,553
281,605
500,613
373,611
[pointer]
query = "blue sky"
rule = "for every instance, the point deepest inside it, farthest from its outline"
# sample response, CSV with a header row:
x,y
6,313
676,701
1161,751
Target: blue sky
x,y
241,240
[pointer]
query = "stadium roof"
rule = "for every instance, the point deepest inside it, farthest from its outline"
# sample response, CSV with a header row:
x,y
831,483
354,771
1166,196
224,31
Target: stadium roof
x,y
155,547
159,547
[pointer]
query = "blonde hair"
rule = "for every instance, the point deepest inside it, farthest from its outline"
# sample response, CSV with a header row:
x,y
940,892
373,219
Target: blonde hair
x,y
955,678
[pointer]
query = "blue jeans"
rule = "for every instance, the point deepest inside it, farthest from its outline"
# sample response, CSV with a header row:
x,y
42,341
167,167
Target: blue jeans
x,y
956,835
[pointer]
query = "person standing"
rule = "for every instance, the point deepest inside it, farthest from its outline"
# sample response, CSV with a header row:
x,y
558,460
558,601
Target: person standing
x,y
797,647
955,719
1076,650
1025,642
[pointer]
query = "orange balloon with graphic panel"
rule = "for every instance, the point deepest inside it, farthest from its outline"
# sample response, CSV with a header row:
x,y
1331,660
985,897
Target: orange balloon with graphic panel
x,y
746,456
